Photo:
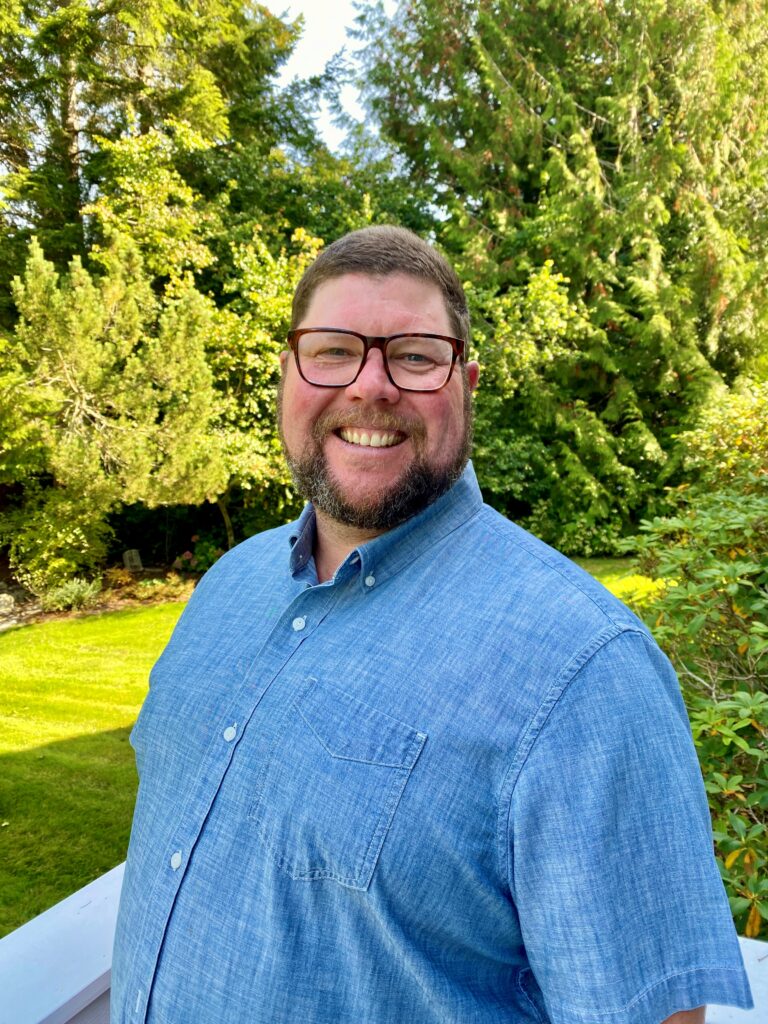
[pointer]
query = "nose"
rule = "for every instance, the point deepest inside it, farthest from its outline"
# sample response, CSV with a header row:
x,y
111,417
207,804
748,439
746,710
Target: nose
x,y
373,384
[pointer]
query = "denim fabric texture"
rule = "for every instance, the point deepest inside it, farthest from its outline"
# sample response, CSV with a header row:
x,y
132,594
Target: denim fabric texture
x,y
455,783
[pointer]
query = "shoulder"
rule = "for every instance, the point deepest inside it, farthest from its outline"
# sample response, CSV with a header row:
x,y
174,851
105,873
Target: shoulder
x,y
242,576
257,553
540,588
527,619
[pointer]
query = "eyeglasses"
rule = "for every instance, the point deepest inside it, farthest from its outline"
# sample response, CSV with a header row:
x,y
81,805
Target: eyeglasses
x,y
331,357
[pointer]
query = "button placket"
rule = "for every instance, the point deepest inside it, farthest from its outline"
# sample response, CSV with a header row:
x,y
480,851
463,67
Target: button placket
x,y
288,631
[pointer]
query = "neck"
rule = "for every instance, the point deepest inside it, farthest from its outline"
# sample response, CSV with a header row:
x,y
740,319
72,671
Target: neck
x,y
334,541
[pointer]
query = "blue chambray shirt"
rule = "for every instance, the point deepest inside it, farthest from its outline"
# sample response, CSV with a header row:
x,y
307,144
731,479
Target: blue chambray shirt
x,y
455,783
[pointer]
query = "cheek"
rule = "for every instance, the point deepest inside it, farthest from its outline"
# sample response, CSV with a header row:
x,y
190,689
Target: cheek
x,y
291,415
445,422
301,406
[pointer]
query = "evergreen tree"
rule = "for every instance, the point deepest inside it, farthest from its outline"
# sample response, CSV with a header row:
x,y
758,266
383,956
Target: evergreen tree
x,y
121,399
625,148
78,78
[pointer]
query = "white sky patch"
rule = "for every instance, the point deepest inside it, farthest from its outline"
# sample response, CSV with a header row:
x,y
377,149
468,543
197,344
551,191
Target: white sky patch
x,y
325,33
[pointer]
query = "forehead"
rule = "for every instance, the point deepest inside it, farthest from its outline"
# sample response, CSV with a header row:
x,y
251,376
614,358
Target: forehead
x,y
380,304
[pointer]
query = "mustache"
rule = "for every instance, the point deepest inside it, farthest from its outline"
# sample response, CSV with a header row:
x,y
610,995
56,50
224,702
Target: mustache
x,y
377,419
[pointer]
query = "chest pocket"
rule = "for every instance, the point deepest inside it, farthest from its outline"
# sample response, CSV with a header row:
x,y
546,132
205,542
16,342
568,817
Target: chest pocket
x,y
330,787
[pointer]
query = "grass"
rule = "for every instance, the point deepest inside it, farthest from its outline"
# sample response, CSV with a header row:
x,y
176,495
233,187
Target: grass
x,y
71,691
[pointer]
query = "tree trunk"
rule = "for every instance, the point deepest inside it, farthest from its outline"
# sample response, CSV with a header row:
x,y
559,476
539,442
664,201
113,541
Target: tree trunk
x,y
227,522
69,152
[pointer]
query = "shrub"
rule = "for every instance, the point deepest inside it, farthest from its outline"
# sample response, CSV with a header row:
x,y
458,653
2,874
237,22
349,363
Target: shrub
x,y
729,446
730,739
171,587
711,617
117,578
205,551
55,536
73,594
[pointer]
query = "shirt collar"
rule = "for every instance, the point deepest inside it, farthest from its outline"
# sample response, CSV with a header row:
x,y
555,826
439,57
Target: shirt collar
x,y
384,556
302,539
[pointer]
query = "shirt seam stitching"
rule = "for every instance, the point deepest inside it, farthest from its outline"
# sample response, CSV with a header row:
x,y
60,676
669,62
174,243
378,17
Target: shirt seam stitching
x,y
496,527
649,988
535,728
522,990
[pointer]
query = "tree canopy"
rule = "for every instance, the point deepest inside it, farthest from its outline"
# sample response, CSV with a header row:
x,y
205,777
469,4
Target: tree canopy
x,y
602,173
596,172
160,194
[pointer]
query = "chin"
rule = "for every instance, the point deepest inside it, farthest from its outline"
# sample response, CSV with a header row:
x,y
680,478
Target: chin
x,y
381,508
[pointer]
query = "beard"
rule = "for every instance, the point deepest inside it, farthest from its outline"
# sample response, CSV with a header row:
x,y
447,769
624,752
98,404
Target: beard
x,y
422,483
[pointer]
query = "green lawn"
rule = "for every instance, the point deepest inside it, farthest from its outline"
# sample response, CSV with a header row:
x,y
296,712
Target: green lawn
x,y
71,690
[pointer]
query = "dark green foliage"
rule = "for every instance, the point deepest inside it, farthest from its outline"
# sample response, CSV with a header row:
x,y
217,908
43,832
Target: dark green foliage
x,y
626,151
713,615
178,193
730,736
78,76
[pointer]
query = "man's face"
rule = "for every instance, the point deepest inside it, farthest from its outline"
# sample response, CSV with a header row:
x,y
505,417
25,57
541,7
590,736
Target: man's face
x,y
420,440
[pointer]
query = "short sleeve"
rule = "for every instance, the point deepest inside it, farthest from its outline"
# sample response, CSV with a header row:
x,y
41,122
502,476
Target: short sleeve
x,y
609,849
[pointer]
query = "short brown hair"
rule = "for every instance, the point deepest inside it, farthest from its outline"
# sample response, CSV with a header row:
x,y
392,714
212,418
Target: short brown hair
x,y
379,251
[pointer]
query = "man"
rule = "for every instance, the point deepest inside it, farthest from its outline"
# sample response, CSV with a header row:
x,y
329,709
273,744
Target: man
x,y
402,763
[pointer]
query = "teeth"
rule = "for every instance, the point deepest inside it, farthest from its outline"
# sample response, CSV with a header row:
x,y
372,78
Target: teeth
x,y
373,439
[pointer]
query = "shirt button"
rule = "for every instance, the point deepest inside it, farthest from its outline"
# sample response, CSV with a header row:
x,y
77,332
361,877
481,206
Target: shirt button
x,y
370,580
355,559
176,860
299,623
229,733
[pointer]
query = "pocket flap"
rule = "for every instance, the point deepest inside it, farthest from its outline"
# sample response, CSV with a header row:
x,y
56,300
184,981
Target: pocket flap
x,y
350,729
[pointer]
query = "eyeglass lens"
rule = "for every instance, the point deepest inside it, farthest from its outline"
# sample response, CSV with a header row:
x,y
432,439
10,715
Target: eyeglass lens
x,y
415,362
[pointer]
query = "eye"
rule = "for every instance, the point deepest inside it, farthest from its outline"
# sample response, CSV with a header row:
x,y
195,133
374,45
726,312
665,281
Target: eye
x,y
333,353
329,347
420,355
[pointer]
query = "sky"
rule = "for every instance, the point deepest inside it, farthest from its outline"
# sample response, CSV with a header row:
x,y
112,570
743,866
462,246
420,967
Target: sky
x,y
325,24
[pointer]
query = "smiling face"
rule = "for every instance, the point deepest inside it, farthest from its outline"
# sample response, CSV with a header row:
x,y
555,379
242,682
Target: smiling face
x,y
369,455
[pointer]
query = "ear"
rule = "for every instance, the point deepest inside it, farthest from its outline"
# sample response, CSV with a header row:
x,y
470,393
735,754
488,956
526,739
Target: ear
x,y
283,360
472,369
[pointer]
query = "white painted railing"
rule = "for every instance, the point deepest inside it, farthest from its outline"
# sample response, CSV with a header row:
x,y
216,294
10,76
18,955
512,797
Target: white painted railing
x,y
56,969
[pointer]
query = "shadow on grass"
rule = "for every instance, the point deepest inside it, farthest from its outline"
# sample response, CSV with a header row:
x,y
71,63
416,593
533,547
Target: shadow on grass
x,y
65,819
